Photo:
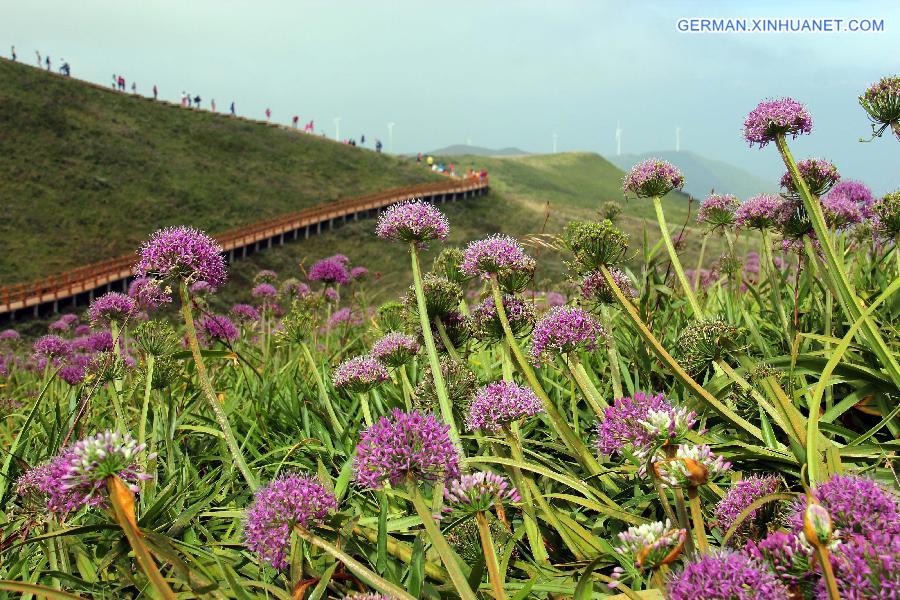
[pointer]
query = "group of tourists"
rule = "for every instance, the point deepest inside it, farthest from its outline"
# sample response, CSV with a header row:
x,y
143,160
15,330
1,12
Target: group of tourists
x,y
45,62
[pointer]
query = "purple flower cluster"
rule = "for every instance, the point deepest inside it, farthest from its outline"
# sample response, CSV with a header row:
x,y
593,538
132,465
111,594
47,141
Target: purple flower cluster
x,y
500,403
741,496
495,254
866,568
413,222
480,491
265,276
395,349
651,545
294,288
407,446
726,575
244,313
358,273
882,103
759,212
182,253
51,346
359,374
148,294
856,505
9,335
595,288
818,174
278,506
264,292
785,554
622,428
848,203
565,329
331,270
63,323
218,328
784,116
77,476
112,307
653,177
718,210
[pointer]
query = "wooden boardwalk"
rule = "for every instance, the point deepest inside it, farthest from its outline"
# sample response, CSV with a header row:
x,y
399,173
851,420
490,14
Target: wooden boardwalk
x,y
77,287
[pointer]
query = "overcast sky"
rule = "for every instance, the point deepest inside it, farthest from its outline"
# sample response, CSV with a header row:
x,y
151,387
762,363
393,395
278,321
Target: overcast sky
x,y
493,72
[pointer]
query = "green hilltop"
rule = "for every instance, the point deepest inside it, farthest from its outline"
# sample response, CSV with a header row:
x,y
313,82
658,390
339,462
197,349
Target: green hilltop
x,y
88,173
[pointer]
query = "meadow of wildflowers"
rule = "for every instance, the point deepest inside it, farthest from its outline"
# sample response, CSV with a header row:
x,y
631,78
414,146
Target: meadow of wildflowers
x,y
725,431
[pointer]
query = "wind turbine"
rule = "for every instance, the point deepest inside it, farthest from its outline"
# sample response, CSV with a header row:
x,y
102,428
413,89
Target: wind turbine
x,y
337,129
618,139
390,127
678,139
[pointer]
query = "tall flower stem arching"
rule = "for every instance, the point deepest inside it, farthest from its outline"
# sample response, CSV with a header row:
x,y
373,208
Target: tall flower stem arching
x,y
697,518
324,398
673,256
206,387
145,405
590,392
490,556
582,455
440,385
772,277
366,409
849,301
440,543
535,540
615,372
700,257
445,339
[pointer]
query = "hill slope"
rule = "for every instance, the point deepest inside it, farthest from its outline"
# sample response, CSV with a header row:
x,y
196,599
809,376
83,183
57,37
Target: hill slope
x,y
87,172
703,175
466,150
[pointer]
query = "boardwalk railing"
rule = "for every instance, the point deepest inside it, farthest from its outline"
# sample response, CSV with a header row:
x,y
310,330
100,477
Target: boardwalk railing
x,y
78,286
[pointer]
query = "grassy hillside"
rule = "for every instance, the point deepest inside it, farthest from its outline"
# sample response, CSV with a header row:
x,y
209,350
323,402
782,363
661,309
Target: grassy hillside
x,y
87,173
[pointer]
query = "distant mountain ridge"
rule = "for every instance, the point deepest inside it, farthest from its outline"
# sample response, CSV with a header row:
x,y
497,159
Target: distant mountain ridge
x,y
703,175
463,149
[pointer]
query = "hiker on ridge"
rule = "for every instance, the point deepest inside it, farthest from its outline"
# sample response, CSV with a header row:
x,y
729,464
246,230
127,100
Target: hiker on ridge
x,y
47,62
38,57
212,105
13,53
134,87
295,121
268,114
233,114
155,92
197,101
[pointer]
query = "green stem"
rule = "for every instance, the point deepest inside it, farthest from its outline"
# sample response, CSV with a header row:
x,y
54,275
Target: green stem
x,y
367,412
433,360
206,387
490,556
700,260
673,256
614,369
440,544
697,517
117,380
828,572
535,541
354,566
408,392
445,339
145,406
324,398
582,454
846,295
585,385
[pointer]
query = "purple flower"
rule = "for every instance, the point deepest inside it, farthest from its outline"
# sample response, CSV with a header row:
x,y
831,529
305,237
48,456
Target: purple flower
x,y
413,222
100,341
278,506
565,329
294,288
818,174
182,253
484,322
500,403
408,446
622,426
856,192
882,103
595,288
866,568
759,212
856,505
653,177
82,330
74,370
342,316
51,346
330,270
331,295
785,554
148,294
218,328
63,323
9,335
693,465
718,210
244,313
725,575
358,273
359,374
480,491
395,349
368,596
742,495
201,288
112,307
841,212
494,255
265,276
265,291
772,118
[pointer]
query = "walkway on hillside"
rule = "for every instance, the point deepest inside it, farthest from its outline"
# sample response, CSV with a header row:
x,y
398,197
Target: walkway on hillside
x,y
77,287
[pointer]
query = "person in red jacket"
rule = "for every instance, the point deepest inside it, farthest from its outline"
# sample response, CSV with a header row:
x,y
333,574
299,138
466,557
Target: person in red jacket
x,y
268,114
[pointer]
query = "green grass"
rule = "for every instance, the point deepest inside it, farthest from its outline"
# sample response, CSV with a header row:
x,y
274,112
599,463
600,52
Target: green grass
x,y
88,173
